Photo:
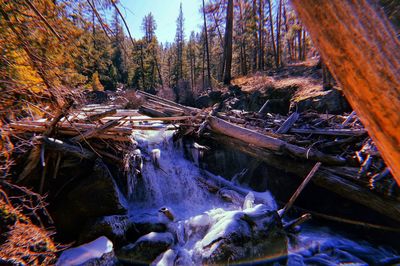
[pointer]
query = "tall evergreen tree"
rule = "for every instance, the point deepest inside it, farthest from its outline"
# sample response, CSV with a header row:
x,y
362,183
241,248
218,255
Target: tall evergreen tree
x,y
180,42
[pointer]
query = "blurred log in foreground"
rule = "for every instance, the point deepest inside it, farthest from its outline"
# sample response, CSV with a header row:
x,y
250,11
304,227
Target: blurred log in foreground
x,y
361,50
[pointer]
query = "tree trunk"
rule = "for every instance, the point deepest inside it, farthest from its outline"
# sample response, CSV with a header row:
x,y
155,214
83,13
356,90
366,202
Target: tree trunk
x,y
228,42
365,60
271,23
207,52
299,43
255,38
278,35
261,35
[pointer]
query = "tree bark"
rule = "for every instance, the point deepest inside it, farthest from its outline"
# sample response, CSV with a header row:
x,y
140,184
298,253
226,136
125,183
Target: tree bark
x,y
271,23
364,58
228,43
278,35
207,51
273,144
261,35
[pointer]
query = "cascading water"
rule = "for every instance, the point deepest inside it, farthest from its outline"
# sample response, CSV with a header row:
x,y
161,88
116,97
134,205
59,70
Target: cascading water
x,y
207,229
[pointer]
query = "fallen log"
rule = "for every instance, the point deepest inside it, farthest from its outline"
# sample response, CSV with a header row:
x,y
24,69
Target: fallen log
x,y
303,184
61,146
215,183
285,127
95,117
95,131
118,134
151,112
168,102
60,113
262,141
324,178
330,132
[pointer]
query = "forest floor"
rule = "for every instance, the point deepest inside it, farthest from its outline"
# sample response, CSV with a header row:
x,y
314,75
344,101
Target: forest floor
x,y
306,76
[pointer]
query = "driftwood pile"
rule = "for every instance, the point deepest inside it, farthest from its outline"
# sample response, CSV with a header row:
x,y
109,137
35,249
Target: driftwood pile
x,y
351,165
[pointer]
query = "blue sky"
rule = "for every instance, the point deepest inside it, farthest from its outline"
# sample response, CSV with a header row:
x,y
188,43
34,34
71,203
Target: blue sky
x,y
165,13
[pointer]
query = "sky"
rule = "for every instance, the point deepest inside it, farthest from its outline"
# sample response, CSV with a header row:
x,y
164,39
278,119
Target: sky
x,y
165,13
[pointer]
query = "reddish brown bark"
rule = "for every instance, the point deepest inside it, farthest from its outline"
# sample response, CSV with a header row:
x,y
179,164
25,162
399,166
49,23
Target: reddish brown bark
x,y
362,52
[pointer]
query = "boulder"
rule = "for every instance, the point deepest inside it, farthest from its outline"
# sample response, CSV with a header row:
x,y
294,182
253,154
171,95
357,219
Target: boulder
x,y
235,90
95,196
114,227
140,228
209,99
275,106
147,248
91,252
108,259
98,195
244,235
331,101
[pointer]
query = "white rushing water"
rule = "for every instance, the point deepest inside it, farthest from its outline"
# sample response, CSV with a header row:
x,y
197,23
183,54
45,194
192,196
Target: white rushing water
x,y
168,185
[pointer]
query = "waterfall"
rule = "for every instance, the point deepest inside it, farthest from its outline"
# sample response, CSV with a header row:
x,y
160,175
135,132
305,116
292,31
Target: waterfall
x,y
168,178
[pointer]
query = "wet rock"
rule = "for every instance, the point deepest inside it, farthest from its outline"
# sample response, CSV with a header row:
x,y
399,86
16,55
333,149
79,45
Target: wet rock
x,y
92,197
331,101
166,258
114,227
138,229
147,248
244,235
231,196
91,252
98,195
108,259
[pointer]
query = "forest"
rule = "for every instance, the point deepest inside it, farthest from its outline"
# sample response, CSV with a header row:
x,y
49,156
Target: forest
x,y
268,132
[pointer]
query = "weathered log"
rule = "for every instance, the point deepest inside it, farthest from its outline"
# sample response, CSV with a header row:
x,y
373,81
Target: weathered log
x,y
168,102
215,183
69,131
151,112
143,119
60,113
354,222
231,118
302,219
58,145
259,140
330,132
365,60
95,131
284,128
323,178
95,117
33,160
296,194
348,119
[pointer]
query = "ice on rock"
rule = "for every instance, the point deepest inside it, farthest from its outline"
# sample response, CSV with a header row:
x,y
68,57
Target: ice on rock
x,y
249,201
166,258
85,252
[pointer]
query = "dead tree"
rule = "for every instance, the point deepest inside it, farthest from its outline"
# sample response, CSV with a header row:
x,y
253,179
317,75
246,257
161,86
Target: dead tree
x,y
365,60
228,42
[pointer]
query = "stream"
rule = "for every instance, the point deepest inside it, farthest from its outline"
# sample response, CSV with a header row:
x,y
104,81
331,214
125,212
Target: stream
x,y
187,223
